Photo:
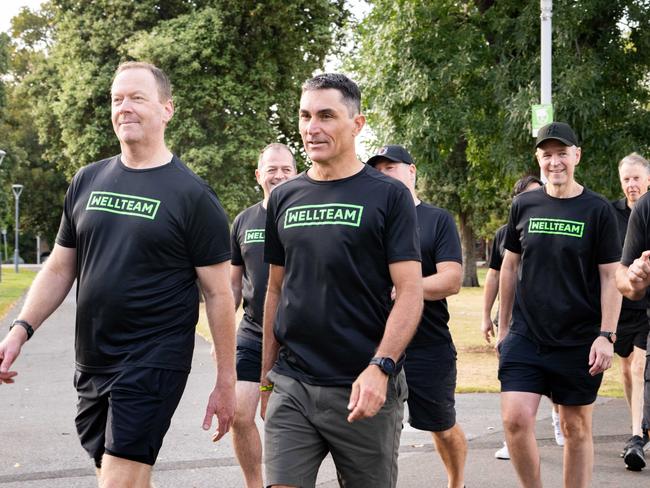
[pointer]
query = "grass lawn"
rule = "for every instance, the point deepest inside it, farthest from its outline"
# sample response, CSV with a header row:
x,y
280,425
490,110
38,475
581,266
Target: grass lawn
x,y
13,286
477,361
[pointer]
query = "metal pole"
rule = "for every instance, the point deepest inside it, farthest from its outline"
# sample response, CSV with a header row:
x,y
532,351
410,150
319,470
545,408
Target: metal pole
x,y
4,240
38,249
546,51
17,189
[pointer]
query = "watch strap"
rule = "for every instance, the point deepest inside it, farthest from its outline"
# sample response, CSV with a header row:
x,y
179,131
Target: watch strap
x,y
25,325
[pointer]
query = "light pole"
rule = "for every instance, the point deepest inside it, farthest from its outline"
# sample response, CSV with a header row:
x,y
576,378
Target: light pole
x,y
4,239
546,7
17,189
4,231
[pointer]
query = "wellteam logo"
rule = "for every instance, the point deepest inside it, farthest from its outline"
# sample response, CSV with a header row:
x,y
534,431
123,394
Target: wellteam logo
x,y
106,201
325,214
254,235
561,227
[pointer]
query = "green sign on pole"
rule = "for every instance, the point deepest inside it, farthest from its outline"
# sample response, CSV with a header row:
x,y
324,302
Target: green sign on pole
x,y
542,115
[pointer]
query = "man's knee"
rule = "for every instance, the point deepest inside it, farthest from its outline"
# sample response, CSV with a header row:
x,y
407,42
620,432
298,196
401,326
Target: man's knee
x,y
517,421
452,434
637,368
576,428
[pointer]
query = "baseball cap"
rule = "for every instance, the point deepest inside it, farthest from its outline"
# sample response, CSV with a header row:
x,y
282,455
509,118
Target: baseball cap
x,y
559,131
392,152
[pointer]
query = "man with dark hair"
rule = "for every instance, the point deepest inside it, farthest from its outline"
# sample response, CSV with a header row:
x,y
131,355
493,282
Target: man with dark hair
x,y
338,238
632,332
431,398
137,231
248,278
561,255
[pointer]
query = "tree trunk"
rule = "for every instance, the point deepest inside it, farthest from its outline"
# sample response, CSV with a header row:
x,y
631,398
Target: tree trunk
x,y
470,277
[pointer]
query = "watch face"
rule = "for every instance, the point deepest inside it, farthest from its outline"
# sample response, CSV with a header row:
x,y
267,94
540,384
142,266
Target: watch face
x,y
388,365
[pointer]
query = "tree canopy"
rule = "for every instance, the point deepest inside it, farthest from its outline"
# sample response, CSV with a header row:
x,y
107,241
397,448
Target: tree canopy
x,y
454,82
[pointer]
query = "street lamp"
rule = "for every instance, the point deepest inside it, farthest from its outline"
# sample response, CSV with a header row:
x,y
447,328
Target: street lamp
x,y
17,189
4,239
4,231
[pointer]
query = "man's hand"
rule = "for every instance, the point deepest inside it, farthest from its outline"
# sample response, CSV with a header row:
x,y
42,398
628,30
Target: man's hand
x,y
368,393
222,404
600,355
9,351
264,401
487,328
639,272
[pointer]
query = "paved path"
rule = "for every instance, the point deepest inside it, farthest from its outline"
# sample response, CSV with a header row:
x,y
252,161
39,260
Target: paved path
x,y
39,447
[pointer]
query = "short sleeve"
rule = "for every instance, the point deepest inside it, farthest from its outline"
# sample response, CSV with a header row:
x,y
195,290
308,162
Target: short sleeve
x,y
496,255
273,249
207,233
401,239
447,244
512,242
236,258
67,234
609,245
637,232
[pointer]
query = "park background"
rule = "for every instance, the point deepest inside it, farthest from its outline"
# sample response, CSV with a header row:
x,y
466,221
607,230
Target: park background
x,y
452,80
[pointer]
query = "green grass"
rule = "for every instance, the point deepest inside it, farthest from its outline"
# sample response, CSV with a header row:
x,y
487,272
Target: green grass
x,y
477,361
13,286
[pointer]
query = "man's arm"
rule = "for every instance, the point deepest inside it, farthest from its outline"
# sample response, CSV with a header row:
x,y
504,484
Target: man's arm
x,y
633,281
220,310
444,283
490,292
236,276
507,283
48,290
369,390
602,351
270,347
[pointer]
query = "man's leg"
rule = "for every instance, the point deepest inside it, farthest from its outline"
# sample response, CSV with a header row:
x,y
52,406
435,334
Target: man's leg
x,y
519,411
637,369
579,445
451,444
123,473
626,376
245,437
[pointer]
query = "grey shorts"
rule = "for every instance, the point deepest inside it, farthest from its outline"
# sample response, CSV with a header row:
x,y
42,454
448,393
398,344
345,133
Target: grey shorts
x,y
304,422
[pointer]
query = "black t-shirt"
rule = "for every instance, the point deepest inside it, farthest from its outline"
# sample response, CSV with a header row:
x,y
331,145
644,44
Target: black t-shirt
x,y
335,240
623,212
439,241
562,241
498,248
138,235
247,244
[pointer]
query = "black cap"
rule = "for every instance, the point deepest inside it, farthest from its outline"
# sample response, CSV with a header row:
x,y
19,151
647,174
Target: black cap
x,y
392,152
559,131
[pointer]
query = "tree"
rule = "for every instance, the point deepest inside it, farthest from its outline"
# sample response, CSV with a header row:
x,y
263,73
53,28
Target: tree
x,y
454,81
236,69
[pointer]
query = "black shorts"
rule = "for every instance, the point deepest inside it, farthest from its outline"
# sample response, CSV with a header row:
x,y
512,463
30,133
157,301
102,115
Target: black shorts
x,y
431,379
561,373
632,331
249,359
126,414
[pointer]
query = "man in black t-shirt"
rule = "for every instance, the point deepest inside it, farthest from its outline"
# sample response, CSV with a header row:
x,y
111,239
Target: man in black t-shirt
x,y
562,250
137,231
431,398
632,331
338,238
249,275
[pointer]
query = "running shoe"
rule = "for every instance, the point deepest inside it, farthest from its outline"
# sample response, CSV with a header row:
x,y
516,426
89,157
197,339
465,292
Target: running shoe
x,y
557,430
634,458
503,452
627,445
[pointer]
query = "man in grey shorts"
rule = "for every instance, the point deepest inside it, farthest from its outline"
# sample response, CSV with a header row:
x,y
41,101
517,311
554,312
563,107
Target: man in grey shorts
x,y
338,237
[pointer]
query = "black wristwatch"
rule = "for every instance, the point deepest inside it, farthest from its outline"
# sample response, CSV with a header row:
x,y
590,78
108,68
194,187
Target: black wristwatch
x,y
387,365
611,336
25,325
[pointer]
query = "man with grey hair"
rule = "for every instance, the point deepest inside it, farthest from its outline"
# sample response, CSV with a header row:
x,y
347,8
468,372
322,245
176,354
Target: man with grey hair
x,y
632,331
248,278
138,229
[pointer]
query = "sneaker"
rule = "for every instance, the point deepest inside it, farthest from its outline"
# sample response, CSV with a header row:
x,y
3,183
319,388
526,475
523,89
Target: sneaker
x,y
634,458
502,453
629,443
557,430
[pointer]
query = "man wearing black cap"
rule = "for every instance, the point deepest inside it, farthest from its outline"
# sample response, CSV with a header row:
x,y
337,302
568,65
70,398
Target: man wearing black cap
x,y
431,399
562,249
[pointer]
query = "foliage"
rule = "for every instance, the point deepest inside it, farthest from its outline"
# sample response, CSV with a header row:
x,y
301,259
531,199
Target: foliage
x,y
454,81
